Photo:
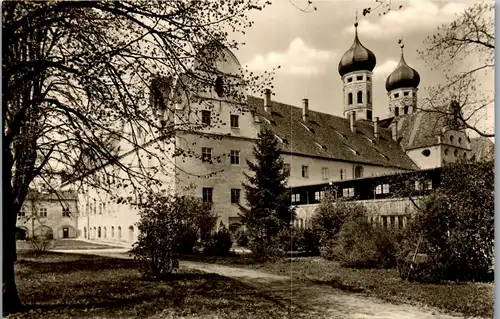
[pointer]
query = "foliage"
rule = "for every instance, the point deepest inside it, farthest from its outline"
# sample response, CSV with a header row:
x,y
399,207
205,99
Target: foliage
x,y
268,208
311,241
455,229
41,244
218,243
164,223
291,239
263,247
241,238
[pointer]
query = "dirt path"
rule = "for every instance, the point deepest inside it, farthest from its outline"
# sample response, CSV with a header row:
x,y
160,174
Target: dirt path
x,y
304,298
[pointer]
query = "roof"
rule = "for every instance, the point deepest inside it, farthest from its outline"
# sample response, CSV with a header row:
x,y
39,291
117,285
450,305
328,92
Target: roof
x,y
357,58
403,76
482,148
34,194
328,136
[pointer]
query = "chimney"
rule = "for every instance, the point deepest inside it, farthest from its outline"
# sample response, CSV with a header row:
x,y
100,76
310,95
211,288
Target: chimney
x,y
267,100
305,109
353,122
395,131
375,128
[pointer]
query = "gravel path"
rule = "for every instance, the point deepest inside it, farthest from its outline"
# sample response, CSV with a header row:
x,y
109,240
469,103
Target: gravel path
x,y
304,299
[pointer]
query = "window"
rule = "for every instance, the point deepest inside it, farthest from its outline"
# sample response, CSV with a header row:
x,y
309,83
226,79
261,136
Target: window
x,y
426,153
396,95
384,221
349,80
305,171
43,212
446,151
405,109
396,111
349,98
207,195
205,117
401,222
324,172
22,212
348,192
219,86
360,97
235,157
235,196
65,212
382,189
319,195
419,186
359,78
235,121
87,209
358,172
105,232
112,231
342,174
119,232
286,167
393,221
99,232
368,78
206,154
459,140
295,198
428,184
368,97
369,115
100,208
95,208
406,93
455,153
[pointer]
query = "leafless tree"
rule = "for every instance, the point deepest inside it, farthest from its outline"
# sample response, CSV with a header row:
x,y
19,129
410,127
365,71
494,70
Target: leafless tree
x,y
77,80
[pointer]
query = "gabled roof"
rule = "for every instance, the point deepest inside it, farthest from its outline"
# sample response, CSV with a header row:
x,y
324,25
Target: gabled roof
x,y
330,137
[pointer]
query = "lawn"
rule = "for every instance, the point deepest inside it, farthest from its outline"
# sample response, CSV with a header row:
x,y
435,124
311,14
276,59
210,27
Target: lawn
x,y
82,286
471,299
66,244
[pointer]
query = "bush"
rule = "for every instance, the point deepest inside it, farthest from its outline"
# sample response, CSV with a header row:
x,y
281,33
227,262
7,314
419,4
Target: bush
x,y
264,248
219,243
165,222
41,244
291,239
311,241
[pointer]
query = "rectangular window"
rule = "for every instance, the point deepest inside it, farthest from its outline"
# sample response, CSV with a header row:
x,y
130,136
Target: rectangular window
x,y
205,117
22,212
359,78
100,208
382,189
428,184
235,157
349,80
286,168
206,154
369,114
343,174
95,208
393,221
207,195
305,171
418,186
65,212
378,189
324,172
43,212
235,196
400,222
396,95
384,221
348,192
319,195
295,198
406,93
235,121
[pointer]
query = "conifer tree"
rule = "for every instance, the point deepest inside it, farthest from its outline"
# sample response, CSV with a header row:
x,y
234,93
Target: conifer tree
x,y
268,200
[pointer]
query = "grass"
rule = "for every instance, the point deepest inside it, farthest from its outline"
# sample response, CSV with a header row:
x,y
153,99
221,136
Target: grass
x,y
82,286
471,299
66,244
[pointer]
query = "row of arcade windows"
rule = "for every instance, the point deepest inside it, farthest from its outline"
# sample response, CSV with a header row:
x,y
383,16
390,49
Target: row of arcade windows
x,y
359,95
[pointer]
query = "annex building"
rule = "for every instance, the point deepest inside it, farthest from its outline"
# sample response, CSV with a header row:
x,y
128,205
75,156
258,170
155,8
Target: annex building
x,y
317,147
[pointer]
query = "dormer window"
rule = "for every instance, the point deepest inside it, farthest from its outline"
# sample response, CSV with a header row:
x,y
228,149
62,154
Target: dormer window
x,y
219,86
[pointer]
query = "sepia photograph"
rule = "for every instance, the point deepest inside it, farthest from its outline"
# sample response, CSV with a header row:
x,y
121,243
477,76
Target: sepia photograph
x,y
248,159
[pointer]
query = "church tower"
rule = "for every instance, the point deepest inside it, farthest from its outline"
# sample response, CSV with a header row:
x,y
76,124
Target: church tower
x,y
402,86
356,68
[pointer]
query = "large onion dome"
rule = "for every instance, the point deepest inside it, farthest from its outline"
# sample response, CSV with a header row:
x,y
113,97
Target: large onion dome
x,y
402,77
357,58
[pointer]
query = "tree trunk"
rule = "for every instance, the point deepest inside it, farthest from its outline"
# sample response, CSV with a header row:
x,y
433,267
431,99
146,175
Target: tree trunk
x,y
11,301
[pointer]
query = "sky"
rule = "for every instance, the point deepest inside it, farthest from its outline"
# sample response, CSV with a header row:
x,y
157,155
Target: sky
x,y
308,47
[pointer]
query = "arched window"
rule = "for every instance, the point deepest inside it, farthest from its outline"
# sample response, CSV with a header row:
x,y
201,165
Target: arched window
x,y
99,232
368,97
112,231
119,232
131,233
396,111
105,232
84,232
406,109
358,172
349,98
360,97
95,232
219,86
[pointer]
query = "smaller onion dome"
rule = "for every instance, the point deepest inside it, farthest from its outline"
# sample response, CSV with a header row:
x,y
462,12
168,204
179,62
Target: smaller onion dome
x,y
357,58
403,76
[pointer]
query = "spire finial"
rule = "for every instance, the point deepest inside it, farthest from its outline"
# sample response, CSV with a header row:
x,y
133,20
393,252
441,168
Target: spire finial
x,y
356,19
401,44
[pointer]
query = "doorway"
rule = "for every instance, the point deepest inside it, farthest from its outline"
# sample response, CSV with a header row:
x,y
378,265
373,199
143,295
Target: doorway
x,y
65,232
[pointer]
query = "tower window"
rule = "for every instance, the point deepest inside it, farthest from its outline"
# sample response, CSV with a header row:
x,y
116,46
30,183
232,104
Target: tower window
x,y
406,93
349,98
396,111
406,109
360,97
368,78
219,86
368,97
368,115
396,95
359,78
349,80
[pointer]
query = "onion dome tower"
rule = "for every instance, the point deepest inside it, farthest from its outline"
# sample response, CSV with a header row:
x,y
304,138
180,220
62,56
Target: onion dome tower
x,y
402,86
356,68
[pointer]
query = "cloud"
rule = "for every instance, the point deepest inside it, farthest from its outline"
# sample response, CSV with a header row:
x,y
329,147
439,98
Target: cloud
x,y
415,16
385,68
299,59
